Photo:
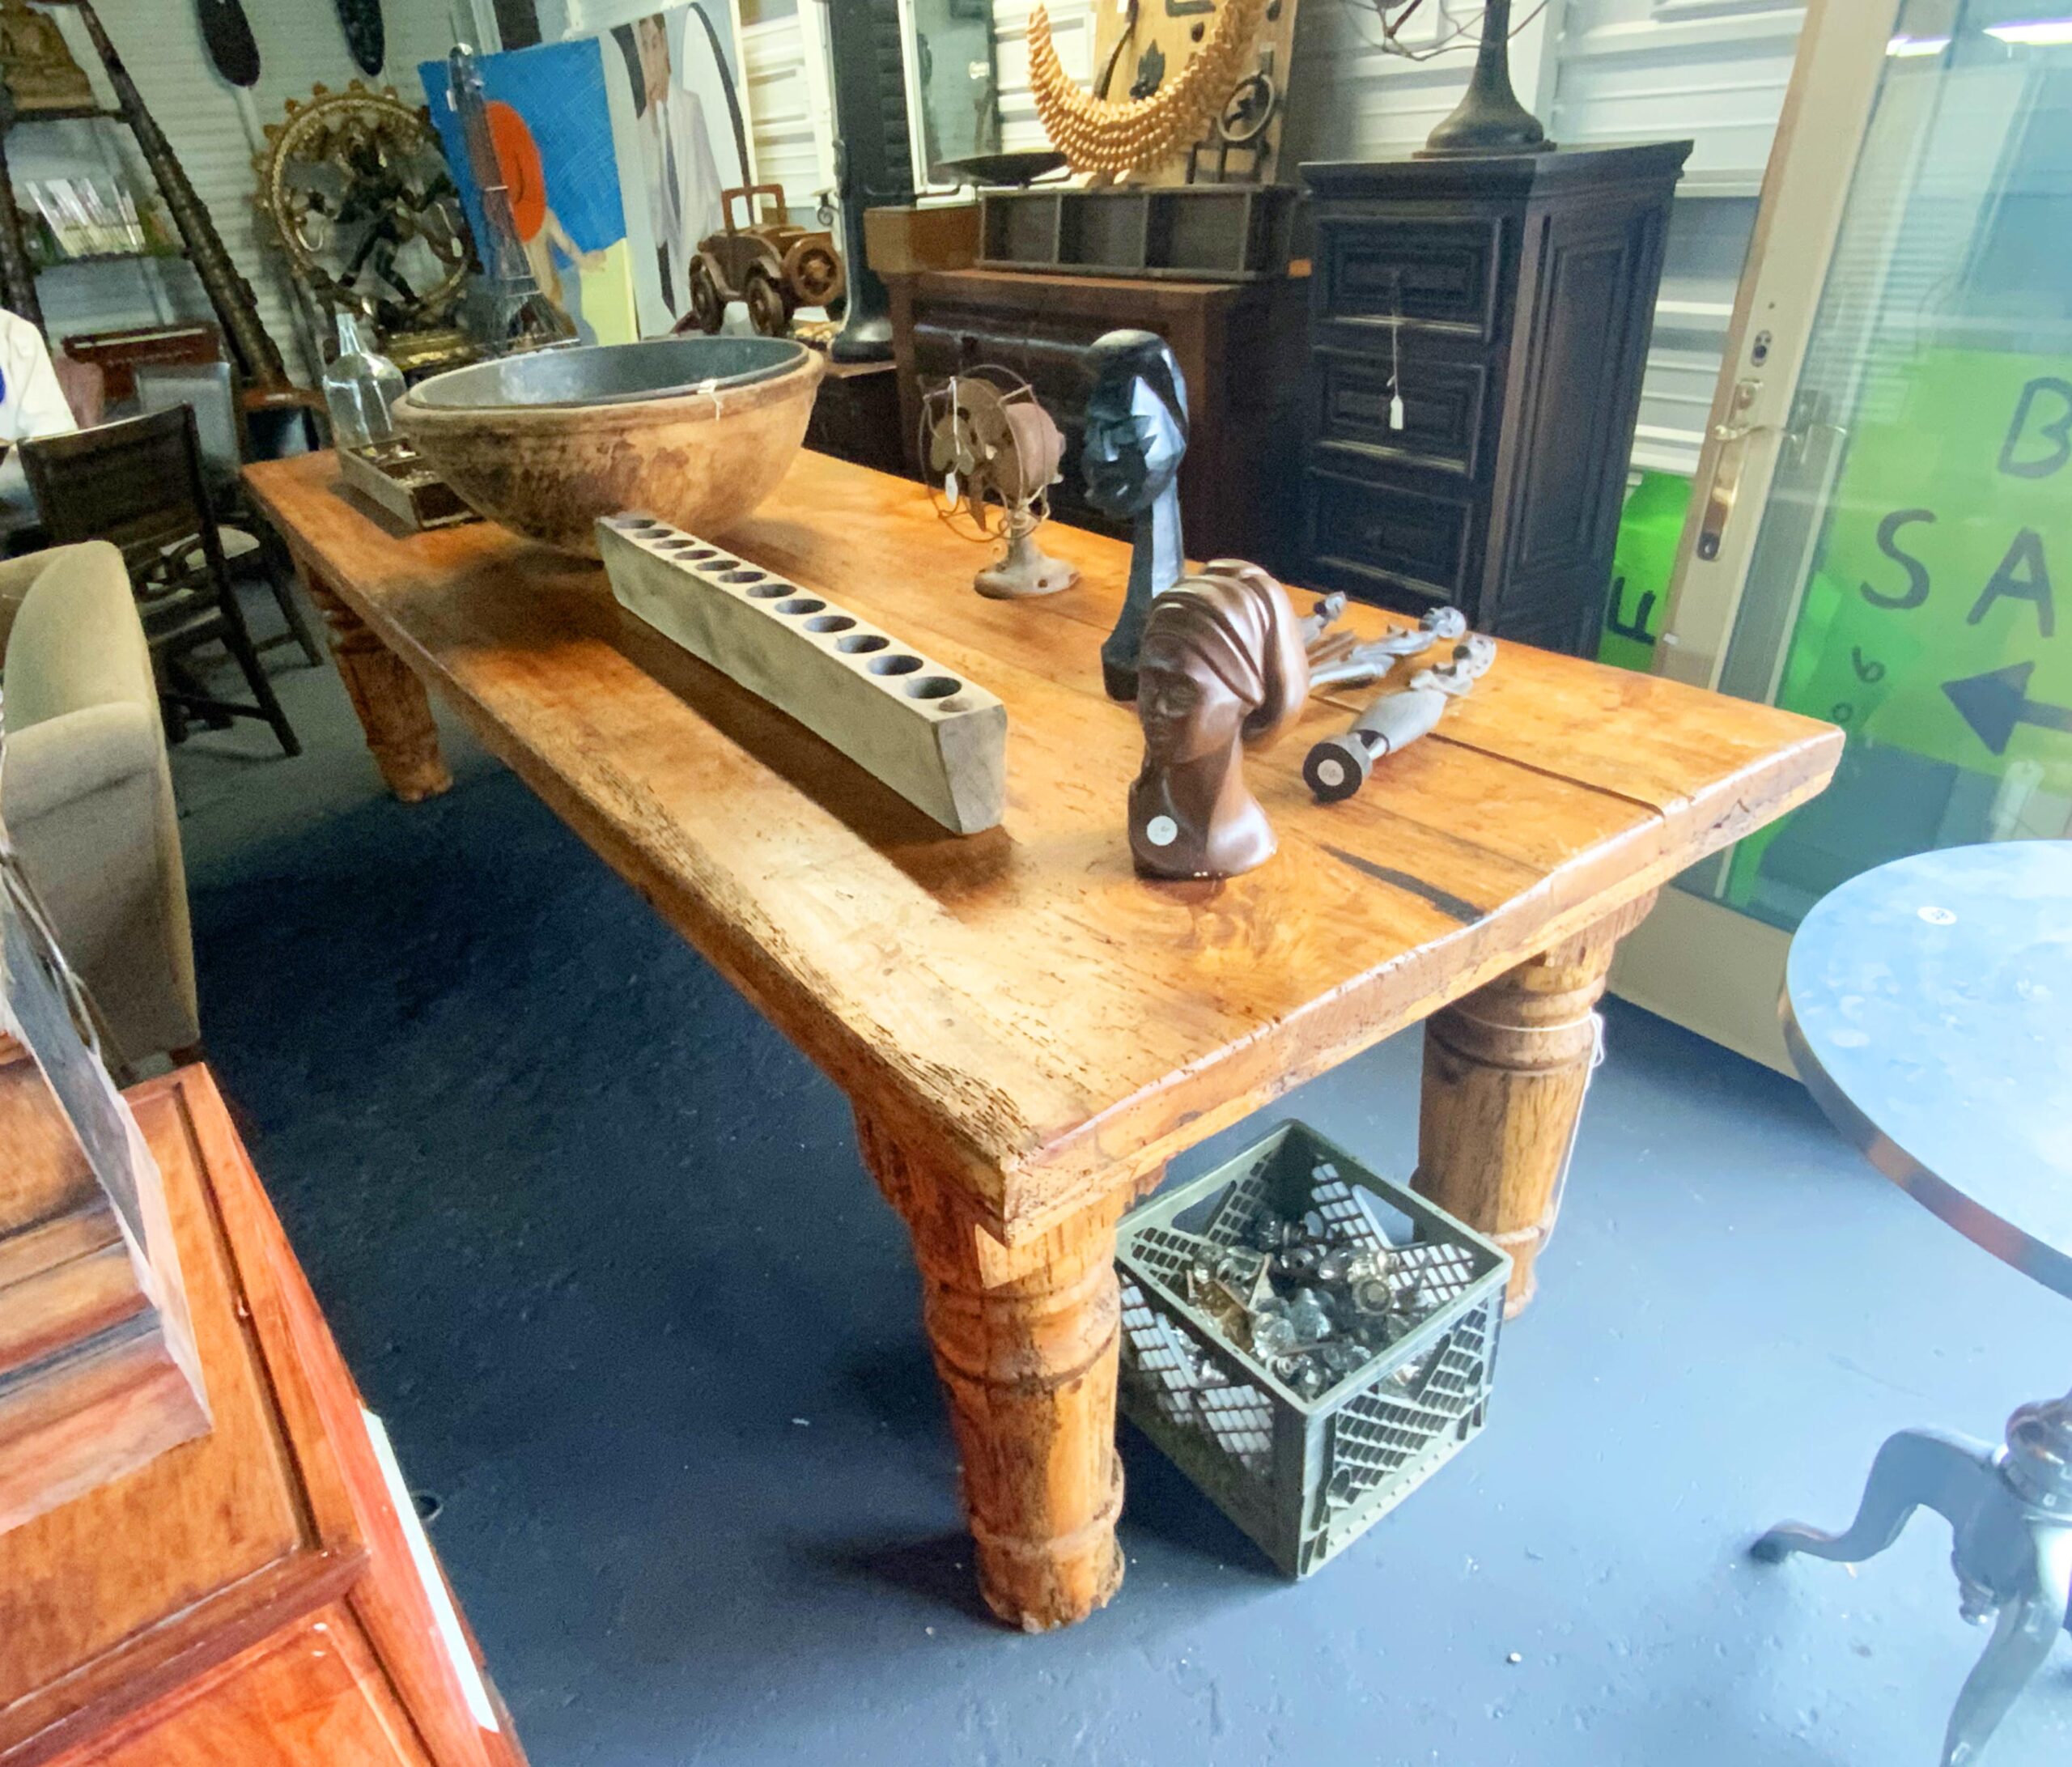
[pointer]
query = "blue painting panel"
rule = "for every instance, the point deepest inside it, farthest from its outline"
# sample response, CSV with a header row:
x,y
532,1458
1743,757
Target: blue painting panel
x,y
558,88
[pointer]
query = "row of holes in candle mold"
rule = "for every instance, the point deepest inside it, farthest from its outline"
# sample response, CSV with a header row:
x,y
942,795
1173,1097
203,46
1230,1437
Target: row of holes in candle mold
x,y
809,610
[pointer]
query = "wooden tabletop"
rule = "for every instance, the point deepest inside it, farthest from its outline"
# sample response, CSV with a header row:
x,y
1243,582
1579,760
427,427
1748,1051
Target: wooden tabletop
x,y
1020,997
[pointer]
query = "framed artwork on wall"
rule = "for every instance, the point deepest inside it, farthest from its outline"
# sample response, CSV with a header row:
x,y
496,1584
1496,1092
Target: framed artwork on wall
x,y
551,125
673,78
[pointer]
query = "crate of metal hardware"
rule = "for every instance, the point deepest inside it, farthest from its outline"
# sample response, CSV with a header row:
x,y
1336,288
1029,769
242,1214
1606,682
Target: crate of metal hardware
x,y
1306,1341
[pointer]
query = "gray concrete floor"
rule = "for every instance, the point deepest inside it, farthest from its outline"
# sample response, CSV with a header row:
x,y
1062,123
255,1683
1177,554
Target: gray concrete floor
x,y
597,1244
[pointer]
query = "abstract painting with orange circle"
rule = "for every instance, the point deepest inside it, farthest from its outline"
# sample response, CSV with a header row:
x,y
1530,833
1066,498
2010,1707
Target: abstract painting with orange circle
x,y
550,126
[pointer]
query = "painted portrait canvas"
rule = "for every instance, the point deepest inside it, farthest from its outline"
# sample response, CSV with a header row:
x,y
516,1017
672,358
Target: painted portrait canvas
x,y
674,79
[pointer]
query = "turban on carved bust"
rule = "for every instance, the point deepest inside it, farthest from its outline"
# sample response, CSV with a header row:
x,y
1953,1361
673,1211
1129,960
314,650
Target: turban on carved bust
x,y
1240,620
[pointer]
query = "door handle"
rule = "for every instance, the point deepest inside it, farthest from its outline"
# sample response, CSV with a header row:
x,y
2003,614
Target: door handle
x,y
1730,458
1722,491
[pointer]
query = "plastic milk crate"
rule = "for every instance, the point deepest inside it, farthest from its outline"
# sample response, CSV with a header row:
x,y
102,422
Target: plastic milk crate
x,y
1304,1472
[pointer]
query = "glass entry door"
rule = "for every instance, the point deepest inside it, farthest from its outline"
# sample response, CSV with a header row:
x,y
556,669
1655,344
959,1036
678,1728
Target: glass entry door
x,y
1881,534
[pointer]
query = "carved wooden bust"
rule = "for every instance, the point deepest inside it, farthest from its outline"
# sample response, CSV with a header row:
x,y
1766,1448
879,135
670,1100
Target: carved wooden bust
x,y
1223,667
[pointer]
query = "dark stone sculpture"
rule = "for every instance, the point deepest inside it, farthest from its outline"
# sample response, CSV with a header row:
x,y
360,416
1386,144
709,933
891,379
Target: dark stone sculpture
x,y
873,158
1489,119
1137,433
365,35
1224,667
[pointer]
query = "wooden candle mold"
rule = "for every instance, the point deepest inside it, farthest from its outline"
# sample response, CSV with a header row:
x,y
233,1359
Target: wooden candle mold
x,y
936,739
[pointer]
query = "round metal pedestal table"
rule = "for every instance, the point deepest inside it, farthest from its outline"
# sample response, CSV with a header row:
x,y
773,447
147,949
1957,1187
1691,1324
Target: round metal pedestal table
x,y
1928,1005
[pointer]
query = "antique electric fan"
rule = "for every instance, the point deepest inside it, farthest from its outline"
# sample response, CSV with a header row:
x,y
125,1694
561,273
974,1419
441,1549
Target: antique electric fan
x,y
992,453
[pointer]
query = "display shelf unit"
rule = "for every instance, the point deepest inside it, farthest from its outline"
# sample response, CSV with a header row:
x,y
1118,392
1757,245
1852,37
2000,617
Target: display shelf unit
x,y
19,266
142,256
261,371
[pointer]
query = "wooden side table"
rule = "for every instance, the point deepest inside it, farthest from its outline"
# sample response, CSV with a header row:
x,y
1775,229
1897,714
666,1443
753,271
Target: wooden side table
x,y
263,1594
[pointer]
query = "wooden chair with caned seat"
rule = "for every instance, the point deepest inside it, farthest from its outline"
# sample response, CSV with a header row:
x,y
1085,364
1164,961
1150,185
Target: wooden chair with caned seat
x,y
139,484
208,389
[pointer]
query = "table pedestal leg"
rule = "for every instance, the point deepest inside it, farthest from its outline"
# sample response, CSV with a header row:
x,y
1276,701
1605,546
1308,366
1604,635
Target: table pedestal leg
x,y
1505,1070
2011,1517
389,700
1025,1340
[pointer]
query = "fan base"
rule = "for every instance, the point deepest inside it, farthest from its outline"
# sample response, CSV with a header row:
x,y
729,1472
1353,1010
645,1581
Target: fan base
x,y
1042,576
1023,572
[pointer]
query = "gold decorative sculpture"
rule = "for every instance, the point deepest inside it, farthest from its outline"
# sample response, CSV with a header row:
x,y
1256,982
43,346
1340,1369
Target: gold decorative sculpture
x,y
37,62
1098,134
355,189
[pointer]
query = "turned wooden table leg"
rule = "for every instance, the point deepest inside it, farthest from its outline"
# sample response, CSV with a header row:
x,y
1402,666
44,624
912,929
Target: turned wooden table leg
x,y
1504,1071
1025,1340
390,701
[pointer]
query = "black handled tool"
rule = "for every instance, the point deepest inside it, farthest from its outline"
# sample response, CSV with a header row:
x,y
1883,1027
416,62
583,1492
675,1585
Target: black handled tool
x,y
1338,767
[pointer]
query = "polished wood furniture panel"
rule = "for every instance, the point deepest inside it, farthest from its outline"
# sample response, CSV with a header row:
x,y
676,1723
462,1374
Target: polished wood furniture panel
x,y
1028,1032
1518,292
118,355
97,1368
1239,346
250,1596
855,414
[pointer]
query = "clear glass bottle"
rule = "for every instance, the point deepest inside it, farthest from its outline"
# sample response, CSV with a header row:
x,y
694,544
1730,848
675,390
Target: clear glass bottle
x,y
359,386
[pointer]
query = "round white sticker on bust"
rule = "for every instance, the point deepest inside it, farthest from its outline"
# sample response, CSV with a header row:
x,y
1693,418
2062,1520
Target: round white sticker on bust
x,y
1161,831
1331,770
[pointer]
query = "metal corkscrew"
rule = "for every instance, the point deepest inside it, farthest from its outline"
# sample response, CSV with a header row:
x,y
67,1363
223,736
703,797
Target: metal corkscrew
x,y
1338,767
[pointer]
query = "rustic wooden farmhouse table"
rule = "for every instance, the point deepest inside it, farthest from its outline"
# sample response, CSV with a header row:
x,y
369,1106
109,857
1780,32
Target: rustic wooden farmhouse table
x,y
1026,1031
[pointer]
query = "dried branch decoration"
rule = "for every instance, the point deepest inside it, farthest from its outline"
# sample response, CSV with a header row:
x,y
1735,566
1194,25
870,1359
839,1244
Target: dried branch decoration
x,y
1097,135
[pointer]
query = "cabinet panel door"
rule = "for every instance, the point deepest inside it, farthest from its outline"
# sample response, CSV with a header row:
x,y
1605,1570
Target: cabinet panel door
x,y
1579,407
314,1694
1430,272
1389,538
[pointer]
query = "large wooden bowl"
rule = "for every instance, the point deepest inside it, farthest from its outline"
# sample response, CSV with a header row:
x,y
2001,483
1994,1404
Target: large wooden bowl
x,y
697,430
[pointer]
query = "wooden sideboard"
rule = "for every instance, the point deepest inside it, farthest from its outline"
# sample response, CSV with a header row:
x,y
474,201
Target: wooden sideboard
x,y
1239,346
1518,292
261,1594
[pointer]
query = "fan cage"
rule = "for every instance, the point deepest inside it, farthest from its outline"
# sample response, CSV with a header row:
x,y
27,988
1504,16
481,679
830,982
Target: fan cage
x,y
965,514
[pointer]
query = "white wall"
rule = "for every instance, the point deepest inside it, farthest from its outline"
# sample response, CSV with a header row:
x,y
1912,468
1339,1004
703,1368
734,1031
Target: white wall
x,y
1071,31
791,130
300,44
1715,70
1597,70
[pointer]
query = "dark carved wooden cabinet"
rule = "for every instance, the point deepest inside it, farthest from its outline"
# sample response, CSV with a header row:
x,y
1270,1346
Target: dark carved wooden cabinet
x,y
1517,292
1238,346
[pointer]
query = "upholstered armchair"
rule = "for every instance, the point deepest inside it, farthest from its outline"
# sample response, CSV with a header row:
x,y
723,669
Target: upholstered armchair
x,y
86,796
